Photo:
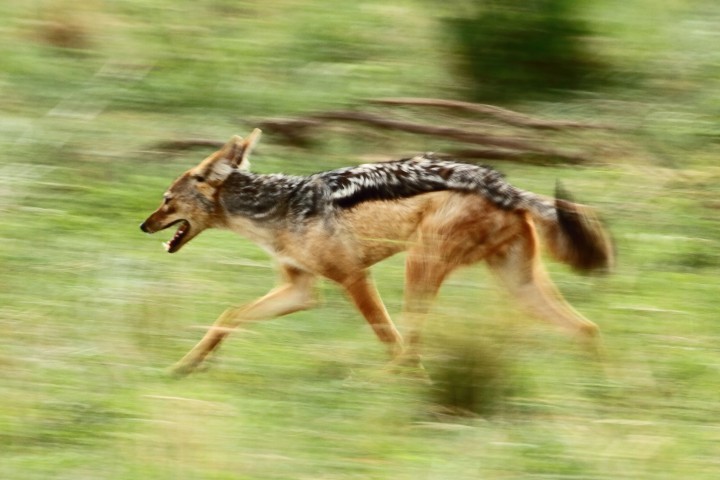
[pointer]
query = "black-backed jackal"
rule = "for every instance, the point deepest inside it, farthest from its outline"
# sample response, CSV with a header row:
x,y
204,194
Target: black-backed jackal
x,y
337,224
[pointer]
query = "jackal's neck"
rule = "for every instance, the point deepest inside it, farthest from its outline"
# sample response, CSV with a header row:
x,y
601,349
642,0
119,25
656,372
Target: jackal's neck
x,y
258,197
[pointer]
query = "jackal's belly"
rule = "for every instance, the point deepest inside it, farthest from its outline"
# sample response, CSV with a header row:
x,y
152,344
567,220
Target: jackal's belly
x,y
358,237
461,227
383,228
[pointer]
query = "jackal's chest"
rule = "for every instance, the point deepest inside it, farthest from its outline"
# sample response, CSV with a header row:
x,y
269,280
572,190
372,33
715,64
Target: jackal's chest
x,y
262,235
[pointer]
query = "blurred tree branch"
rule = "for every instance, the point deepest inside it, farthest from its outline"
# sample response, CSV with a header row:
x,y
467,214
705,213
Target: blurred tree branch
x,y
508,145
507,116
188,144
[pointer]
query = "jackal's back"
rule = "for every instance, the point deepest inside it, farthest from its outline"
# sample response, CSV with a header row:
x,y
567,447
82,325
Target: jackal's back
x,y
414,176
285,197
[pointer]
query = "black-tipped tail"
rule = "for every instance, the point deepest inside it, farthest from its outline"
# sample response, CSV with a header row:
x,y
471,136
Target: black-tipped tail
x,y
584,243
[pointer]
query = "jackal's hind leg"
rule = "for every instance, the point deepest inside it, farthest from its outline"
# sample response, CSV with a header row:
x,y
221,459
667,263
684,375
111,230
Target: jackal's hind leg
x,y
520,270
424,273
294,295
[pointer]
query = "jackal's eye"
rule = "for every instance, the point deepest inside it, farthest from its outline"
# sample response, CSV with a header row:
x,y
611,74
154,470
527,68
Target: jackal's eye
x,y
198,178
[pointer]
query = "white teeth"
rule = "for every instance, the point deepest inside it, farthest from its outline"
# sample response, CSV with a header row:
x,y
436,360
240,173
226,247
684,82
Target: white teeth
x,y
181,231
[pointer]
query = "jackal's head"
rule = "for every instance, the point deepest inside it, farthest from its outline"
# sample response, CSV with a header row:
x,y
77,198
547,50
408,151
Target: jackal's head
x,y
191,201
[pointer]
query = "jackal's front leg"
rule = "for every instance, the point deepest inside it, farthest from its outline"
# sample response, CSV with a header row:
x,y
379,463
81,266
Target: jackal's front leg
x,y
366,298
295,295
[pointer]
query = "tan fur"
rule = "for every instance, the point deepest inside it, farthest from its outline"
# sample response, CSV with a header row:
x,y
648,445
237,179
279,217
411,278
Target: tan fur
x,y
440,231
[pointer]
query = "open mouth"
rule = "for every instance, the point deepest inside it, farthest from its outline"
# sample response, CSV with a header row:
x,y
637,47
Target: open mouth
x,y
174,243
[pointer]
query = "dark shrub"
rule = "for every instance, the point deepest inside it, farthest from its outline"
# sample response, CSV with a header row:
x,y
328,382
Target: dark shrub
x,y
523,49
470,377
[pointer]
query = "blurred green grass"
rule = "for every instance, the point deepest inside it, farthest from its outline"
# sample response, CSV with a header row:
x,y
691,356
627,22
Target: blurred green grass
x,y
92,311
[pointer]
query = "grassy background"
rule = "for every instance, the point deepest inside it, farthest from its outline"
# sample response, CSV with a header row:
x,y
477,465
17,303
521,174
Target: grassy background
x,y
92,311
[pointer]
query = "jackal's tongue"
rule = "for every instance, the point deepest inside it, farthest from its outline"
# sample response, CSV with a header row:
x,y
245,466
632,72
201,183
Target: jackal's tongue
x,y
175,241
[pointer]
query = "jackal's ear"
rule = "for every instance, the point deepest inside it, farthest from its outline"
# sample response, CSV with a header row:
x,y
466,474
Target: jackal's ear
x,y
239,149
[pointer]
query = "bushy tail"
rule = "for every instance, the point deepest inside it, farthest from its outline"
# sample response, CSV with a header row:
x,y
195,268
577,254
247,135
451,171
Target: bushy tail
x,y
573,233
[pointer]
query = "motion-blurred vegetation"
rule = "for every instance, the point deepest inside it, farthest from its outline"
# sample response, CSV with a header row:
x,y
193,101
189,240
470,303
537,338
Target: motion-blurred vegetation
x,y
92,311
525,50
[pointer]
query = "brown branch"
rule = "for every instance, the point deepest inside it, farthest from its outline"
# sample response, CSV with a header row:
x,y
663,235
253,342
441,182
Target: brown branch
x,y
297,131
508,116
443,132
175,145
294,131
509,144
525,157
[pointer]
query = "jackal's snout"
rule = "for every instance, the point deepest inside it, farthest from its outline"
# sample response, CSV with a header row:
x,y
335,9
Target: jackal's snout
x,y
184,233
150,225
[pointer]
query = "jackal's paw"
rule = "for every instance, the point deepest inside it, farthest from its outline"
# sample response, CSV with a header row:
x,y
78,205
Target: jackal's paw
x,y
409,365
180,370
407,360
183,368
